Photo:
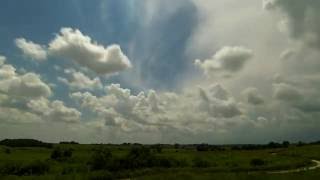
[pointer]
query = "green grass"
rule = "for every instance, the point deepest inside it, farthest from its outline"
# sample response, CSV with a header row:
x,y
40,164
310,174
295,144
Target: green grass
x,y
232,176
228,164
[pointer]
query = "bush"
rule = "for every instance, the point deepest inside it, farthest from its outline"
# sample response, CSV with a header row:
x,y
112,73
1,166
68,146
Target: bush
x,y
37,168
101,159
101,175
200,163
67,153
60,154
157,148
257,162
56,154
33,168
137,158
7,150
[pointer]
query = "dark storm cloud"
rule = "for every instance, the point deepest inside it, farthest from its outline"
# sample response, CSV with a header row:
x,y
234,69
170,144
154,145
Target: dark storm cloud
x,y
302,19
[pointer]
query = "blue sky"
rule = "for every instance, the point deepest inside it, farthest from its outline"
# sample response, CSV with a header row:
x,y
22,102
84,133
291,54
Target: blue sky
x,y
159,71
160,46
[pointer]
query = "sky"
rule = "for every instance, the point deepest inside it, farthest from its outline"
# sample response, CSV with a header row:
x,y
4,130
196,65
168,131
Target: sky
x,y
160,71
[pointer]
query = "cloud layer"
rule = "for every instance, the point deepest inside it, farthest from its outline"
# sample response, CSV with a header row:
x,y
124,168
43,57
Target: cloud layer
x,y
187,111
54,111
262,75
301,19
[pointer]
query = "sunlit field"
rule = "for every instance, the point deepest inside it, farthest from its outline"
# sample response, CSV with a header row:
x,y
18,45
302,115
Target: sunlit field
x,y
135,161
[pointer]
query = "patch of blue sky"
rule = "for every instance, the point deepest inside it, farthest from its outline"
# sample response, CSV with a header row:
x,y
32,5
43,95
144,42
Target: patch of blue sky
x,y
157,51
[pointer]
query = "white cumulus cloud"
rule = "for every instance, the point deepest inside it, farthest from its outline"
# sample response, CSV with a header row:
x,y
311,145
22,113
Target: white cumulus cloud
x,y
72,44
54,111
78,80
227,59
28,85
31,49
188,111
2,59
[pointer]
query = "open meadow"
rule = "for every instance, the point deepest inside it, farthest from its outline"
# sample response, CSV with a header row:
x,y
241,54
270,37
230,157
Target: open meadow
x,y
135,161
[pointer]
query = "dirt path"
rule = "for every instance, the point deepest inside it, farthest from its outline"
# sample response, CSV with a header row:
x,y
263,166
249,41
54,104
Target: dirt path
x,y
316,166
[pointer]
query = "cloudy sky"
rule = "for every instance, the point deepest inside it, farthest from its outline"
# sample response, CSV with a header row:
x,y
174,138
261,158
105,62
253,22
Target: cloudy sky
x,y
160,71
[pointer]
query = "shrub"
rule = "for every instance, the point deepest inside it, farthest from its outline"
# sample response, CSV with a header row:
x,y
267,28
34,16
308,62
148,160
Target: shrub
x,y
61,154
164,162
200,163
101,175
7,150
100,159
56,154
10,168
157,148
67,153
37,168
139,157
33,168
257,162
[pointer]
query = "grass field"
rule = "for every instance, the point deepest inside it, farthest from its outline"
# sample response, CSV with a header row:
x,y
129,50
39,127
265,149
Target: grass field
x,y
188,163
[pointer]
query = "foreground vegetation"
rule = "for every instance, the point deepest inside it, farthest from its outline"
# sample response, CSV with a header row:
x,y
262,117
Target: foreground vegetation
x,y
70,160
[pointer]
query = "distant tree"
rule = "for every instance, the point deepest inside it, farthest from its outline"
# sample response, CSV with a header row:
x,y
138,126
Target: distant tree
x,y
315,142
203,147
300,143
285,144
68,142
177,146
24,143
274,145
217,148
